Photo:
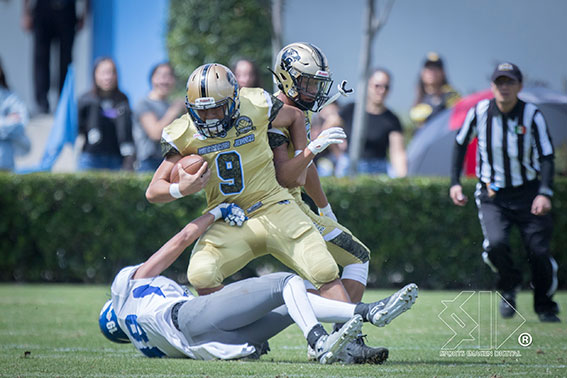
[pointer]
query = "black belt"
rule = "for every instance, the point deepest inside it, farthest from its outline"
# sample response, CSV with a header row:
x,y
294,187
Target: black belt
x,y
174,312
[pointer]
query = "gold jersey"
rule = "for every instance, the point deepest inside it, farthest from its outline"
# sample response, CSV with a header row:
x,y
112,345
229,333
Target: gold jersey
x,y
242,170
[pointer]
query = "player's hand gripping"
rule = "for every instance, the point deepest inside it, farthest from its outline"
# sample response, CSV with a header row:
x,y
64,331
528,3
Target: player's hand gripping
x,y
188,183
231,213
333,135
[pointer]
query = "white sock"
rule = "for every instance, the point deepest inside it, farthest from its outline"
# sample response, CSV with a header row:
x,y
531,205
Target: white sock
x,y
330,311
298,306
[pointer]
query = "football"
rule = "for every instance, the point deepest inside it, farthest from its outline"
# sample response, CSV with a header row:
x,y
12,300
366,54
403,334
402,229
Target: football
x,y
189,163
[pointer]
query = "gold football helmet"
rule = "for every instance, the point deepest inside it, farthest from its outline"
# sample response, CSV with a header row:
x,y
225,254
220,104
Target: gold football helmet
x,y
302,73
212,86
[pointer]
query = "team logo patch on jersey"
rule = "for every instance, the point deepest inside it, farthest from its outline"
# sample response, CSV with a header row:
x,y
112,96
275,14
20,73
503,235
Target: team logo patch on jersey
x,y
214,148
520,130
243,125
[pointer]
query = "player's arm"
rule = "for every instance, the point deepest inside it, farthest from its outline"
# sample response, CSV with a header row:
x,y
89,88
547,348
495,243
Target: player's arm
x,y
315,191
293,119
170,251
290,173
160,190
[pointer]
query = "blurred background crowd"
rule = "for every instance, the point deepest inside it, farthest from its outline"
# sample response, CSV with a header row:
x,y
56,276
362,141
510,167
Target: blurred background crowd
x,y
411,116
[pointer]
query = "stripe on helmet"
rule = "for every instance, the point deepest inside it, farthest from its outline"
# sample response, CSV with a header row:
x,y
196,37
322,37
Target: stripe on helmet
x,y
204,80
320,55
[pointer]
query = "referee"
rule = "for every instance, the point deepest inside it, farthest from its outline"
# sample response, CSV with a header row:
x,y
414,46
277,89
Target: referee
x,y
515,168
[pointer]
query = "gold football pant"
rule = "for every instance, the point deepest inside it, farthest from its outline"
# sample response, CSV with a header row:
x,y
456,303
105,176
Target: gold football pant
x,y
281,230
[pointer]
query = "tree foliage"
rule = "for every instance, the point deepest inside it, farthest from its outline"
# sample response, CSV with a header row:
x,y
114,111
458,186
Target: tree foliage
x,y
219,31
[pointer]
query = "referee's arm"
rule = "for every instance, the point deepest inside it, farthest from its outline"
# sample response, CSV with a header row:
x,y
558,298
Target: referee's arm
x,y
462,140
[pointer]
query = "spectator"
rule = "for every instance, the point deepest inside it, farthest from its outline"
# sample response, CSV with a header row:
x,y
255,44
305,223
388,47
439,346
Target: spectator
x,y
51,20
105,120
13,118
383,132
246,72
152,114
434,93
515,185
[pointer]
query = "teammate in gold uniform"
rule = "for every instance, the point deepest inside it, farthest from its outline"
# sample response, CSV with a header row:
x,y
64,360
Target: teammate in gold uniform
x,y
302,74
228,127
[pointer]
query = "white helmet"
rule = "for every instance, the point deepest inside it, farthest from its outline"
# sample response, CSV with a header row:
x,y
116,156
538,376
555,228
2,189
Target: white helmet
x,y
212,86
302,73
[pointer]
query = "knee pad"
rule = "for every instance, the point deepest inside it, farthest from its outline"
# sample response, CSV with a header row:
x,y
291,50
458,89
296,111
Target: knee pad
x,y
203,276
324,274
356,272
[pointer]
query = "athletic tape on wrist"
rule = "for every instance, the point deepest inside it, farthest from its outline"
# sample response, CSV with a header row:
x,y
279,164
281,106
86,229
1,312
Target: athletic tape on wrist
x,y
216,212
174,191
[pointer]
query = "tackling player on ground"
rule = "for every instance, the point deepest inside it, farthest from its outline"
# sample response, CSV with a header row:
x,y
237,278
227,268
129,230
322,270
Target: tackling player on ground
x,y
161,319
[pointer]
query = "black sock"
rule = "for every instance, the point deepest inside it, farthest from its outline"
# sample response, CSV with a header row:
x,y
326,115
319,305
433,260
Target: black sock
x,y
315,334
362,310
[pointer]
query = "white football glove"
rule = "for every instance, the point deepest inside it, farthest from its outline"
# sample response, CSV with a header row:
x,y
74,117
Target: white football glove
x,y
231,213
327,212
334,135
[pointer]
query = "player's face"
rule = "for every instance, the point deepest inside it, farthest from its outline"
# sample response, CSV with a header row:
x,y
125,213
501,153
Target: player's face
x,y
309,88
378,87
213,113
105,76
506,90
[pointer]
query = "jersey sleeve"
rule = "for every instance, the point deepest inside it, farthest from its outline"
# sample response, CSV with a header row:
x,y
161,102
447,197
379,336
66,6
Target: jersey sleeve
x,y
175,137
277,137
121,285
542,138
468,130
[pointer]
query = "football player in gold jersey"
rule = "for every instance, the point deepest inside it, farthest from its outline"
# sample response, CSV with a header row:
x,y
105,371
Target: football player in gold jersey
x,y
302,74
228,127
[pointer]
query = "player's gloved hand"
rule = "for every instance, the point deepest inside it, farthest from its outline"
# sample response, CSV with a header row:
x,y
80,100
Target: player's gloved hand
x,y
327,212
333,135
231,213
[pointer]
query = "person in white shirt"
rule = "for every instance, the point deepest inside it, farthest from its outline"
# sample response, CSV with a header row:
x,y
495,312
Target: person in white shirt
x,y
162,319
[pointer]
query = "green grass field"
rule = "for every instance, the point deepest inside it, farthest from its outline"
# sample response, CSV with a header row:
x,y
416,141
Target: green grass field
x,y
52,331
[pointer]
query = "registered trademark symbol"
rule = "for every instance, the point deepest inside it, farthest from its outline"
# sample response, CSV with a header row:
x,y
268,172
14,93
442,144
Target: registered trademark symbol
x,y
525,339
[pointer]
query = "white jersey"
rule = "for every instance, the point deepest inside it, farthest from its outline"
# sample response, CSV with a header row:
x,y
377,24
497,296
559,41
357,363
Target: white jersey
x,y
143,308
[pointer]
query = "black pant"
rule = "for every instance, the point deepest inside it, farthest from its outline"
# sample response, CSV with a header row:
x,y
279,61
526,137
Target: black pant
x,y
497,215
52,21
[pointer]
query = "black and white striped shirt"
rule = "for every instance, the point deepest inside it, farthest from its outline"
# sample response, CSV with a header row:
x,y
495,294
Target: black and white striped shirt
x,y
511,146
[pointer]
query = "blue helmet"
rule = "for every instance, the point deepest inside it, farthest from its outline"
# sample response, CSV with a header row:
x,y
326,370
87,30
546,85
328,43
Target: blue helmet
x,y
108,323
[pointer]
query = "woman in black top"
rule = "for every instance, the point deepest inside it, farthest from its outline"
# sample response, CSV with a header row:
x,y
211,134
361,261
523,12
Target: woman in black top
x,y
383,135
105,120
